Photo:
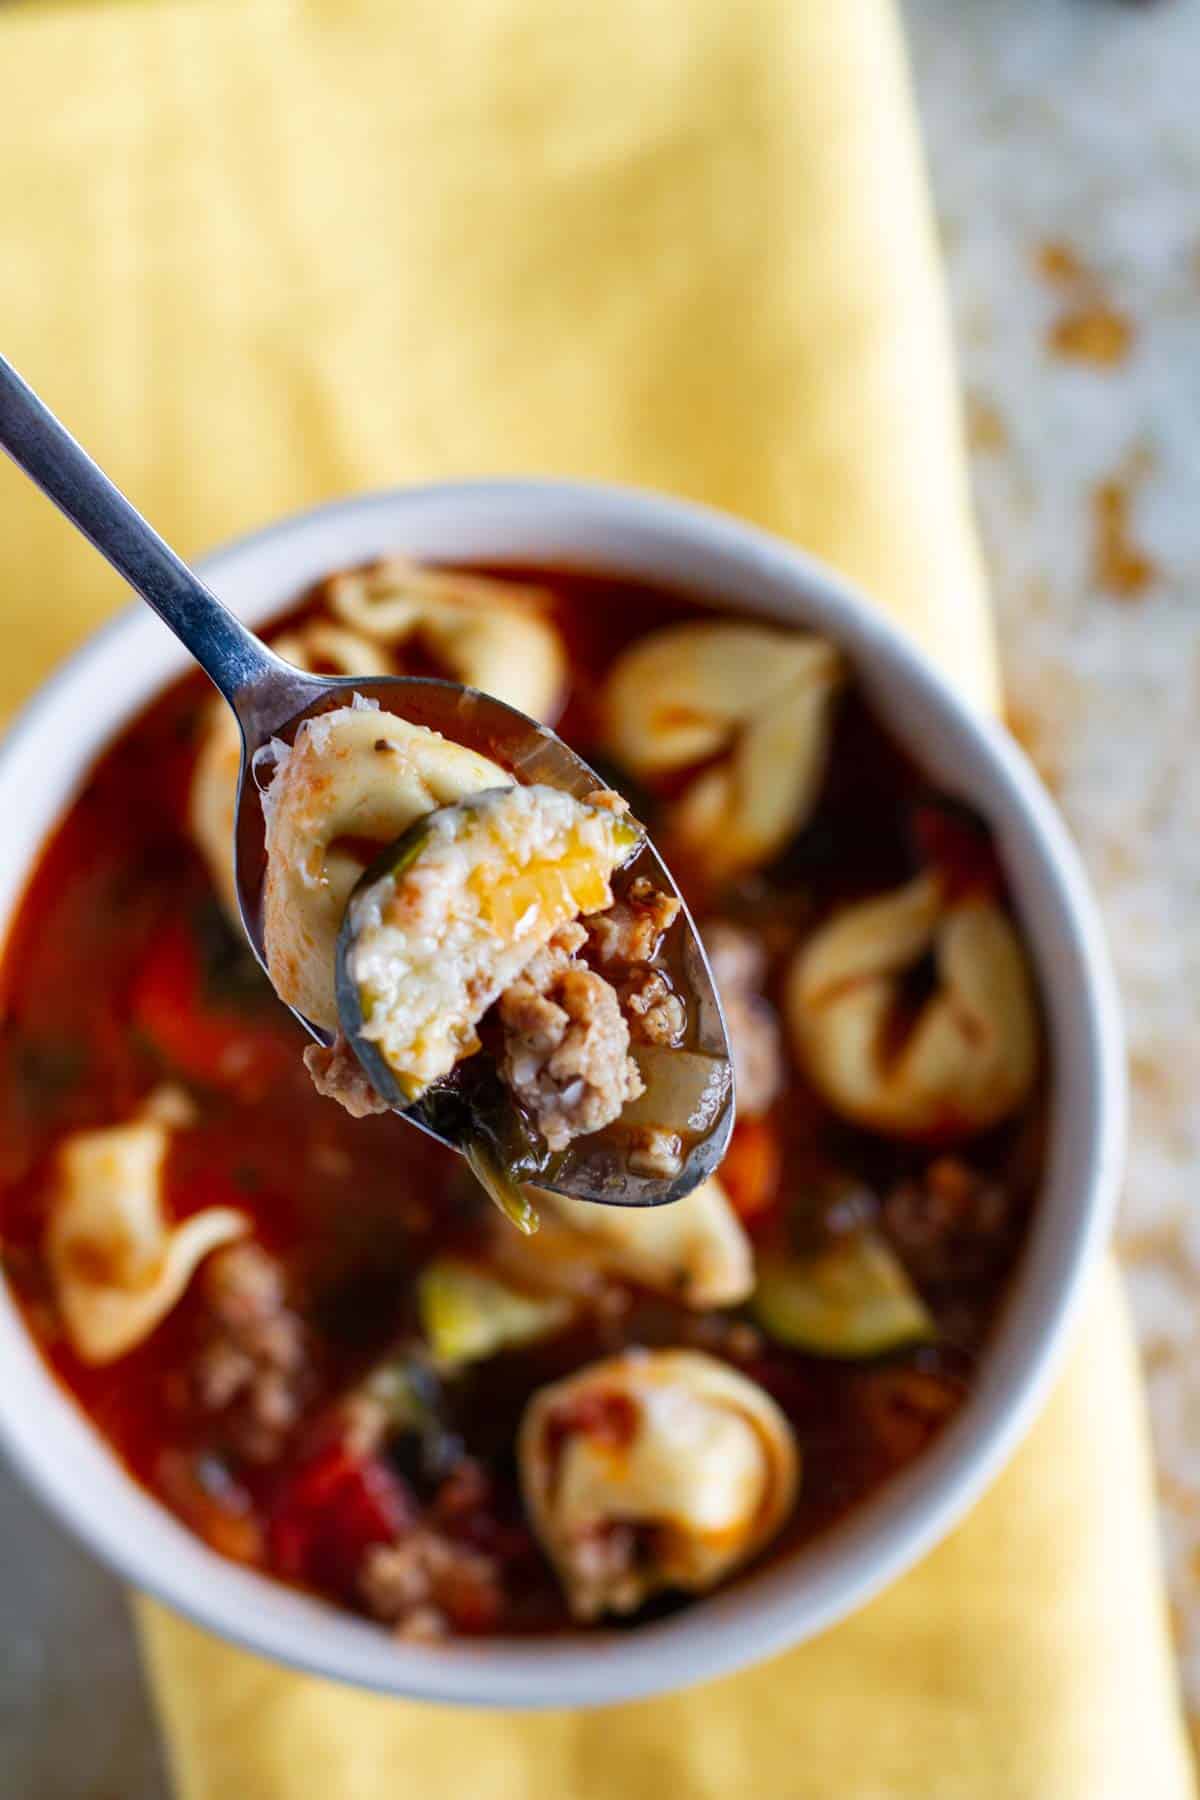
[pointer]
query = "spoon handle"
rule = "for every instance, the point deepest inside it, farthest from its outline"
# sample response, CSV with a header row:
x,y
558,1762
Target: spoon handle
x,y
232,657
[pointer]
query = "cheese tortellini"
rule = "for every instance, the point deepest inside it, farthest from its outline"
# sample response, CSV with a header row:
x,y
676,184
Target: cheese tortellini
x,y
969,1056
318,646
353,778
491,635
323,648
118,1266
753,704
653,1470
695,1250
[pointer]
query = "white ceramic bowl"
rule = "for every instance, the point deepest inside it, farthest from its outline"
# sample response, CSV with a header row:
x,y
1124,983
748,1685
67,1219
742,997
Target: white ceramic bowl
x,y
75,715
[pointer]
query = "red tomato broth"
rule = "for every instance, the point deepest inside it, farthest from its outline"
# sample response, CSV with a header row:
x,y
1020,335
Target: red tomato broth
x,y
107,990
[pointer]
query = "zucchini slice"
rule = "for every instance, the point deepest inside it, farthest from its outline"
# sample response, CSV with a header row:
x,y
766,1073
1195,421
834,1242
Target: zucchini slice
x,y
468,1314
852,1299
451,913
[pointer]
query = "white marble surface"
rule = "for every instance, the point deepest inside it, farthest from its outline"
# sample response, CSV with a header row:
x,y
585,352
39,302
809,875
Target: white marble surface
x,y
1076,124
1073,122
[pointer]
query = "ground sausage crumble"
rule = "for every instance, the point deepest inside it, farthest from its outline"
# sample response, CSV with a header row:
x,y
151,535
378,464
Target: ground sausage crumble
x,y
566,1044
254,1368
337,1073
632,930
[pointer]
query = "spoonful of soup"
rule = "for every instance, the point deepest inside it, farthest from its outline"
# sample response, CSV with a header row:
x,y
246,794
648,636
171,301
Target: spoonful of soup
x,y
445,895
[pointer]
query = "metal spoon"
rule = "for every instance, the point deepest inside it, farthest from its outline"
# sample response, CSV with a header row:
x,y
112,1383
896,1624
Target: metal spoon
x,y
270,698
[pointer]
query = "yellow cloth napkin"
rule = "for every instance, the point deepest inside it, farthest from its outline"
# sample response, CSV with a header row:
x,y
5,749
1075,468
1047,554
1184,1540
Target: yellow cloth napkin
x,y
265,254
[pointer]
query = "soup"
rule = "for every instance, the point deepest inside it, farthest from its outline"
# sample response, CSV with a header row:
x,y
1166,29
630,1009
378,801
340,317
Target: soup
x,y
312,1337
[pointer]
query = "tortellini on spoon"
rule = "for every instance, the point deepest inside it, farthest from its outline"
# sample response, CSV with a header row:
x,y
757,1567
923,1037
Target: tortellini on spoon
x,y
353,778
967,1056
117,1263
474,900
751,707
318,645
653,1470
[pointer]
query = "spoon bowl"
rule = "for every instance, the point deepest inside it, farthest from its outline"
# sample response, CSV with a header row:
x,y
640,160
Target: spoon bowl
x,y
591,1169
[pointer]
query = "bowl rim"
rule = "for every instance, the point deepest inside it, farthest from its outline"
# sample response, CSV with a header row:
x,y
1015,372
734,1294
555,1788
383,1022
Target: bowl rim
x,y
788,1602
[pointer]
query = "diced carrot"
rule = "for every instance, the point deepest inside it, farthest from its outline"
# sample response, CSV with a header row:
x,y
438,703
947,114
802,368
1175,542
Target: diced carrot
x,y
752,1167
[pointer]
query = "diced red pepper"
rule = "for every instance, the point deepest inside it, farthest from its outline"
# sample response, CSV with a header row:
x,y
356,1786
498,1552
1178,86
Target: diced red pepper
x,y
329,1513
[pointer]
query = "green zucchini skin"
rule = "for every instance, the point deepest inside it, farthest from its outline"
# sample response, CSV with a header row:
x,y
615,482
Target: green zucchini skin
x,y
852,1300
392,862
